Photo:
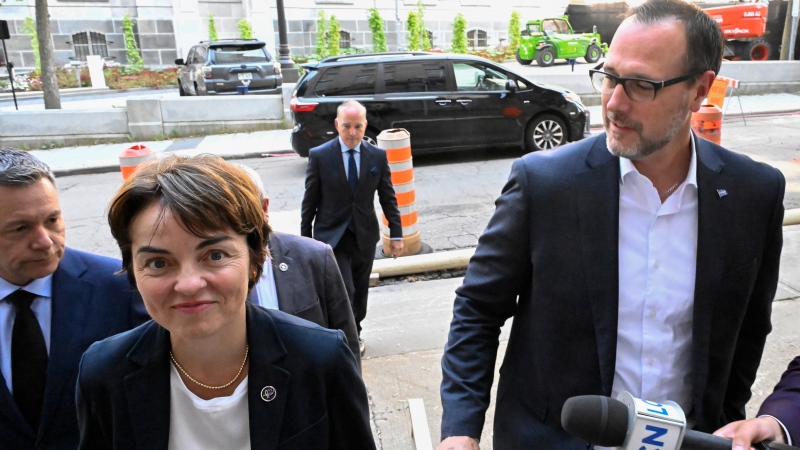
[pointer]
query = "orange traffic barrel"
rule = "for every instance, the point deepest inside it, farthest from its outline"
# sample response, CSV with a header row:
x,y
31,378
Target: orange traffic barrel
x,y
707,123
131,157
397,143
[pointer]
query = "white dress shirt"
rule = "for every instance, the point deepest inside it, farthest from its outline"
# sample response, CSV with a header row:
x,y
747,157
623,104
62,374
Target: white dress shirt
x,y
657,265
346,158
42,308
265,290
198,424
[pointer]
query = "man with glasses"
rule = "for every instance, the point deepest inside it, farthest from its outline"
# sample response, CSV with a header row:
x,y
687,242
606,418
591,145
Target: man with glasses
x,y
644,259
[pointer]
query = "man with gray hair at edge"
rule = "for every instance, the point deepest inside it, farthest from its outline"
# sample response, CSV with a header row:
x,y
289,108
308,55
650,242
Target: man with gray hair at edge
x,y
55,301
644,259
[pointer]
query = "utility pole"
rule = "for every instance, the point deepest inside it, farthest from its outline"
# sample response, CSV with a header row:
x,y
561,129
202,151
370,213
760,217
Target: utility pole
x,y
787,30
288,69
399,25
795,17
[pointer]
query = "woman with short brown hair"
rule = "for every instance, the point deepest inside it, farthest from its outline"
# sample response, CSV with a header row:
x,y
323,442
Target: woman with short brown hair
x,y
211,370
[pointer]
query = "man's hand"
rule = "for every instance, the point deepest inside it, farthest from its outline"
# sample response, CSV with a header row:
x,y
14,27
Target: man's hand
x,y
744,433
397,248
459,443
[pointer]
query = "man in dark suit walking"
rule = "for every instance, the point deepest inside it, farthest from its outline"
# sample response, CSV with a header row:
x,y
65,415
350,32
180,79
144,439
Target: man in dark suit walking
x,y
342,178
644,259
301,278
778,419
54,303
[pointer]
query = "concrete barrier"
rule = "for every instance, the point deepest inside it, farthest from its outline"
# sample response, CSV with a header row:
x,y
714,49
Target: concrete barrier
x,y
62,127
142,119
755,77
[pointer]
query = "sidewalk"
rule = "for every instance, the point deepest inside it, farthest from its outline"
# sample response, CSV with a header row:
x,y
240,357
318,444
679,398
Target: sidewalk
x,y
104,157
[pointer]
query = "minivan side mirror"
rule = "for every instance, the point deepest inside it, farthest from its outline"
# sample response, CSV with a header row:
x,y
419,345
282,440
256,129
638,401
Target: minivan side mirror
x,y
179,62
511,86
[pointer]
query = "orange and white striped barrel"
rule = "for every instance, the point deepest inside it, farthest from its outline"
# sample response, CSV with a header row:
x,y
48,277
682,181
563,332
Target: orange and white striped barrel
x,y
397,143
131,157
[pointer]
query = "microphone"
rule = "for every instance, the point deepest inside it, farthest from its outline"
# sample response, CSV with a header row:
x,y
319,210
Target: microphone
x,y
634,424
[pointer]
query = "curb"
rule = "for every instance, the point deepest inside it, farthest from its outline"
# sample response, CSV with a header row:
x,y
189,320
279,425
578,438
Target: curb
x,y
115,168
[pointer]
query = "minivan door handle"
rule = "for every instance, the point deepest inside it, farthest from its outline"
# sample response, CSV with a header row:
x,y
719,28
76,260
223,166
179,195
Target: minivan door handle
x,y
464,101
443,102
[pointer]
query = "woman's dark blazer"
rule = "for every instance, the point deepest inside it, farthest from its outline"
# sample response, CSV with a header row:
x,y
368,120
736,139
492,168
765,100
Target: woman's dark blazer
x,y
319,401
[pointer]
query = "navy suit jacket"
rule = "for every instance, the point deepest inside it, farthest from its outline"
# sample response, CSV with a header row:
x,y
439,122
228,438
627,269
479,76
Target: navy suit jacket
x,y
784,402
549,259
311,286
329,205
321,402
89,303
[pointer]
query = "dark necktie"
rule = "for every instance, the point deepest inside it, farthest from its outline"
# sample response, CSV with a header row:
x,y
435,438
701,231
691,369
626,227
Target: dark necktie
x,y
28,358
352,172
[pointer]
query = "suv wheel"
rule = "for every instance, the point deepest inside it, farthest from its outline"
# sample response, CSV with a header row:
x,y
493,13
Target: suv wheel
x,y
545,132
522,61
592,54
545,57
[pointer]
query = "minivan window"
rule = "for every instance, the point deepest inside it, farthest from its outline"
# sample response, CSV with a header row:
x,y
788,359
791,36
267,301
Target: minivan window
x,y
478,77
414,77
238,55
358,79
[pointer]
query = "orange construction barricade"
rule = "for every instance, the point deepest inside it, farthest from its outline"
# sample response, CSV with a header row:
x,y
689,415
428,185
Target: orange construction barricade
x,y
131,157
397,143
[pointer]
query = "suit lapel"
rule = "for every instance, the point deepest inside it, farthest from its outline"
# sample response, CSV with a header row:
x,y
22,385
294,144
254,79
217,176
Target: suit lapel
x,y
71,306
598,202
286,282
712,233
267,382
336,161
150,419
9,409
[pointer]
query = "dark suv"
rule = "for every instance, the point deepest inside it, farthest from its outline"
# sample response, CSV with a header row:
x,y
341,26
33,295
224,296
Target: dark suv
x,y
219,67
445,101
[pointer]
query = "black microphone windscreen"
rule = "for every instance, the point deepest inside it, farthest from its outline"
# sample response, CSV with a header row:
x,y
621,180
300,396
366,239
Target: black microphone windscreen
x,y
596,419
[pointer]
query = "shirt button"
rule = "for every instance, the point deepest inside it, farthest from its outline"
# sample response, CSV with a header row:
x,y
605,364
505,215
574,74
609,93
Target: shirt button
x,y
656,264
651,313
650,361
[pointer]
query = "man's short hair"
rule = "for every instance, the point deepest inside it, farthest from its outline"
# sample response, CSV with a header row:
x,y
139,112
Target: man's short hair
x,y
704,42
255,177
20,168
207,194
349,104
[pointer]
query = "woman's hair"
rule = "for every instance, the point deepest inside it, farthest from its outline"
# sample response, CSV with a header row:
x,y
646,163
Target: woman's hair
x,y
205,192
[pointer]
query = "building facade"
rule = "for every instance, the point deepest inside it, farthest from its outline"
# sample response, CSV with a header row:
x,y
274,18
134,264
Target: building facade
x,y
166,29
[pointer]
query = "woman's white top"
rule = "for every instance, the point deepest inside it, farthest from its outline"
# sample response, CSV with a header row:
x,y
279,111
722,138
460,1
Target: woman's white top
x,y
198,424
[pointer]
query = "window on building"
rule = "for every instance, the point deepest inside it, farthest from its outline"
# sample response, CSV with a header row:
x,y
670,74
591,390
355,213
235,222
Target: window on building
x,y
88,43
476,38
344,39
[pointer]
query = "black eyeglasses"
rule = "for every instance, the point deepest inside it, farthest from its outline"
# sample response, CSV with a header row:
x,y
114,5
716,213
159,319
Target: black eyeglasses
x,y
637,89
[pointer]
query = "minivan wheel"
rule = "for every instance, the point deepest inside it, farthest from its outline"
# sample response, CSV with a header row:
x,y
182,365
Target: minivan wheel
x,y
545,132
371,137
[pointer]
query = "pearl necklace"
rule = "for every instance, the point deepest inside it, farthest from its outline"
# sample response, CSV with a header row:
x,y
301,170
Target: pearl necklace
x,y
241,368
669,191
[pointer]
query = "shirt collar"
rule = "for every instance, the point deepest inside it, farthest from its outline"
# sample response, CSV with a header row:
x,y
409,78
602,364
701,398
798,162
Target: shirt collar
x,y
42,287
345,148
626,166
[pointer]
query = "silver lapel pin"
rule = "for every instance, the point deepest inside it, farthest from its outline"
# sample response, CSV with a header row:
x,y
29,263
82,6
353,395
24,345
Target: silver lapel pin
x,y
283,266
722,193
268,394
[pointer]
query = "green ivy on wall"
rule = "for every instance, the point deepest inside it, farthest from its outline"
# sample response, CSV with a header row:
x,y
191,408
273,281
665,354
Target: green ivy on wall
x,y
133,55
460,34
378,30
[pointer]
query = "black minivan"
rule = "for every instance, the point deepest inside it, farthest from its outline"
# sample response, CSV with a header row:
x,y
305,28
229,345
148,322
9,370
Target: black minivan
x,y
445,101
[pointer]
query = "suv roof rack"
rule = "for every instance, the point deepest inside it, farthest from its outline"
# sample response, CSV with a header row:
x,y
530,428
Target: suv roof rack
x,y
373,55
227,40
